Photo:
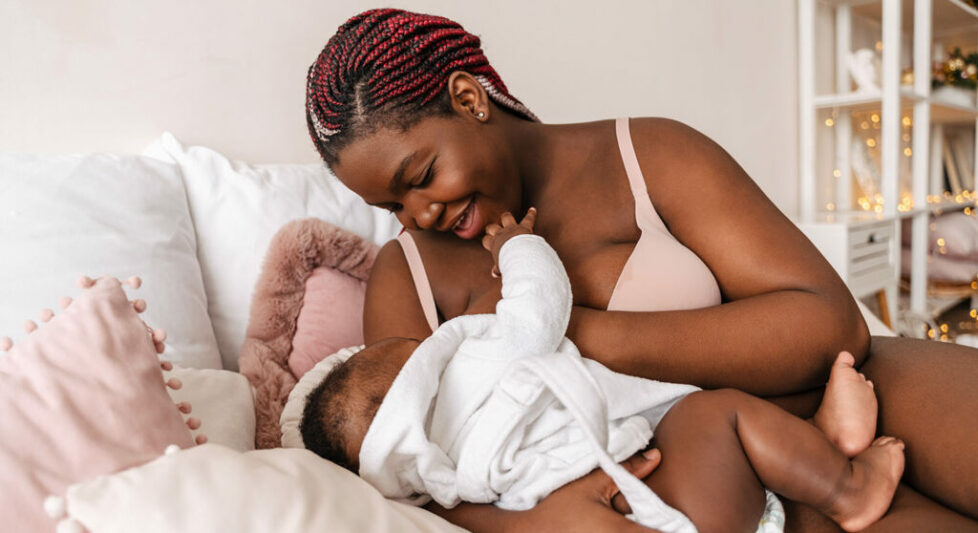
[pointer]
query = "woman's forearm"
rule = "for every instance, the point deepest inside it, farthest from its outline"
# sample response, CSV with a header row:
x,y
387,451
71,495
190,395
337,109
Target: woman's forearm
x,y
776,343
476,518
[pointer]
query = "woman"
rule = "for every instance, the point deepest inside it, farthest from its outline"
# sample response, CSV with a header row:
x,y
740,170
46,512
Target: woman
x,y
682,270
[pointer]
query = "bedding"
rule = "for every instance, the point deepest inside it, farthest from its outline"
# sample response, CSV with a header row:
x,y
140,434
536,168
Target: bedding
x,y
115,215
208,487
238,207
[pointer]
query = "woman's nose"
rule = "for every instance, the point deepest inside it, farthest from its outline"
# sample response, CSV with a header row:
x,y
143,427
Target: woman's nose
x,y
427,214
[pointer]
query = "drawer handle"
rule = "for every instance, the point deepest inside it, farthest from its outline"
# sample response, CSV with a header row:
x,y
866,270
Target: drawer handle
x,y
872,238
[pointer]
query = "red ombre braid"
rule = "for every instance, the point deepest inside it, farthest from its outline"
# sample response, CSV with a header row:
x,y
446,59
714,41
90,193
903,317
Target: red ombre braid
x,y
396,62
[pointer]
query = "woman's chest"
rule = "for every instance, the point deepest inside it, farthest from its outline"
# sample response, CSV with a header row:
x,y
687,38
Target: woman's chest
x,y
593,269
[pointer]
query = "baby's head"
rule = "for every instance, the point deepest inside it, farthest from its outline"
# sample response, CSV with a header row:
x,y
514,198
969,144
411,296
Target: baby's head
x,y
340,409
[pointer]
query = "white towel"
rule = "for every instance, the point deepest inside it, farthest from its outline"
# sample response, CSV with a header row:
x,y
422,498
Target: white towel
x,y
502,408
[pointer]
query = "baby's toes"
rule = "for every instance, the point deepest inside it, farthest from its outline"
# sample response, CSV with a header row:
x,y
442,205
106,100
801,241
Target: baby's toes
x,y
883,441
845,359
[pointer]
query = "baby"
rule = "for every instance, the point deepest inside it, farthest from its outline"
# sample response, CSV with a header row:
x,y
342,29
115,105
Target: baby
x,y
502,408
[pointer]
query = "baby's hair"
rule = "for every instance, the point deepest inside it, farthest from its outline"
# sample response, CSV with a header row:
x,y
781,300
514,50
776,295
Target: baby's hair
x,y
326,417
384,67
342,405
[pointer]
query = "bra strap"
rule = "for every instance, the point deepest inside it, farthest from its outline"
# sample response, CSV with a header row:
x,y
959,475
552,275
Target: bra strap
x,y
420,278
645,215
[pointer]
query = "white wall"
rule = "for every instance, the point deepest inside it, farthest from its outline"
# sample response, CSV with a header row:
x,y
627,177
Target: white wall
x,y
110,75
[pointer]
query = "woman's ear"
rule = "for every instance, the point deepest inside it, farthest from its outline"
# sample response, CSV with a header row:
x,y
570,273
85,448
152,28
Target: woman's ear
x,y
468,97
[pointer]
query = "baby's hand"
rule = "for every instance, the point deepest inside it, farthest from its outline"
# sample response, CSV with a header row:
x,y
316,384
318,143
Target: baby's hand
x,y
497,235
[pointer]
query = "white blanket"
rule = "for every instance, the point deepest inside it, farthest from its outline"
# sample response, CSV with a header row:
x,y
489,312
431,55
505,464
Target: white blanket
x,y
502,408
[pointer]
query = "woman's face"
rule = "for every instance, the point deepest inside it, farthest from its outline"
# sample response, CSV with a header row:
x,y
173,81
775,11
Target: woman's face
x,y
443,174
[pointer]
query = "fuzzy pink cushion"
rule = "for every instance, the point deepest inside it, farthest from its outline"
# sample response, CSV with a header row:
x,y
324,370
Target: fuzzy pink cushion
x,y
323,327
308,303
81,396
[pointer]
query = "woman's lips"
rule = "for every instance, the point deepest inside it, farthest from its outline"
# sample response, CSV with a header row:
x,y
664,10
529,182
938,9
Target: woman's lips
x,y
469,225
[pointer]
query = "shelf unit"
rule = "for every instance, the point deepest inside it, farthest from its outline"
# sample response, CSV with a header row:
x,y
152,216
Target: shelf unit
x,y
930,26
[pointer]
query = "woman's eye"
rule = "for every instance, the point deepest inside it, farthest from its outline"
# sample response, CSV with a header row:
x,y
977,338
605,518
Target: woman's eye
x,y
427,177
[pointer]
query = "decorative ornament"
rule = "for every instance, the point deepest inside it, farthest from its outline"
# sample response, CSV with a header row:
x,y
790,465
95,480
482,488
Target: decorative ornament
x,y
959,70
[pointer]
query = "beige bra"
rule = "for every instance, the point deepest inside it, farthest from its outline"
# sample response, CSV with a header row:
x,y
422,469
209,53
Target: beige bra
x,y
660,274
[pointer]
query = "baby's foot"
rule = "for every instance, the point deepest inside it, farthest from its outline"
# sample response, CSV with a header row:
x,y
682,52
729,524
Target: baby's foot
x,y
847,415
868,491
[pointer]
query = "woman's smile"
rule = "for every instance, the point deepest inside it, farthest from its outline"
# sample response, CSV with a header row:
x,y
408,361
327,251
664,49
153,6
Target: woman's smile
x,y
469,223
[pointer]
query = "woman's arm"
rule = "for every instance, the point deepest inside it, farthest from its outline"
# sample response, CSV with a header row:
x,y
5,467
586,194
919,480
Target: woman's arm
x,y
391,307
591,504
786,313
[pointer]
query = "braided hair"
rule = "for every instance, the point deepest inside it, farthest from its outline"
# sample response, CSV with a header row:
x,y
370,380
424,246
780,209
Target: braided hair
x,y
388,67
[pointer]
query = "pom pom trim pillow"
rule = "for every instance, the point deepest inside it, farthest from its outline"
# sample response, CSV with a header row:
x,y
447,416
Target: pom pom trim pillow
x,y
82,396
315,269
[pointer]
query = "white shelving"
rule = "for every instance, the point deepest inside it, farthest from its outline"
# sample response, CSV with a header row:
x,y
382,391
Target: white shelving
x,y
928,26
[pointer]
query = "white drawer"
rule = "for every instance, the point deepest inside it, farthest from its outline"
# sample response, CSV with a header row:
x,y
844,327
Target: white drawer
x,y
871,256
863,252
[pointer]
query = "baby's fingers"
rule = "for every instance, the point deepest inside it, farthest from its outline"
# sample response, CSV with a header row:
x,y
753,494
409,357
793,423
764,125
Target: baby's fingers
x,y
529,219
507,219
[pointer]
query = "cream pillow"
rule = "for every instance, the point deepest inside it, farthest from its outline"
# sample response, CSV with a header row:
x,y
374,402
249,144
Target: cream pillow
x,y
222,401
213,488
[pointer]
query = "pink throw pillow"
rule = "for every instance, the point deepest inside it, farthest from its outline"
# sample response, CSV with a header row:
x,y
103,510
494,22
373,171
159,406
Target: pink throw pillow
x,y
323,327
81,396
307,303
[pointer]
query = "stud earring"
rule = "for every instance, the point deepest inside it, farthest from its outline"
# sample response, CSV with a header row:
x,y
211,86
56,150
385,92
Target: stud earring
x,y
481,114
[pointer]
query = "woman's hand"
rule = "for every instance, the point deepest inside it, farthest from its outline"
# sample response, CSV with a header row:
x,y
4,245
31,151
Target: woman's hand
x,y
498,234
589,504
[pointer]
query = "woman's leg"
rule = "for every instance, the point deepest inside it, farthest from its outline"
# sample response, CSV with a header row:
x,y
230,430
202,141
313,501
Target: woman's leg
x,y
910,511
928,396
728,436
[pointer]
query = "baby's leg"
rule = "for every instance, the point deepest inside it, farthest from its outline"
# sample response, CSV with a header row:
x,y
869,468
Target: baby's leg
x,y
720,447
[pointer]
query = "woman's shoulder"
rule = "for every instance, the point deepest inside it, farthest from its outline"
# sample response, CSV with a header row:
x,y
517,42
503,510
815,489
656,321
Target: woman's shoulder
x,y
456,269
681,163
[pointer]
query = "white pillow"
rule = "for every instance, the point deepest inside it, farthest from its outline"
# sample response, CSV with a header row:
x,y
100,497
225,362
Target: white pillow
x,y
237,208
292,412
213,488
66,216
222,401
